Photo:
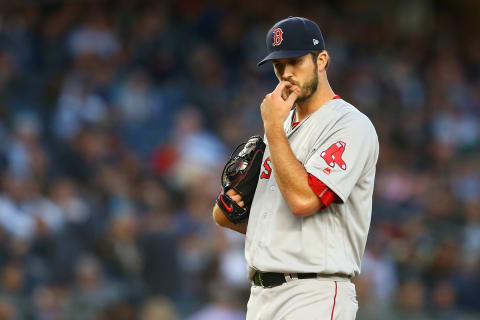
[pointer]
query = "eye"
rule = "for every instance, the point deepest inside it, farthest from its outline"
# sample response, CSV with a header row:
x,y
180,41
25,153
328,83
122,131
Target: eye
x,y
277,66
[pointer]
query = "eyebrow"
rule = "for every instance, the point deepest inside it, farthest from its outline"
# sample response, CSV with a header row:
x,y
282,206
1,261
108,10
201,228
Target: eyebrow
x,y
287,60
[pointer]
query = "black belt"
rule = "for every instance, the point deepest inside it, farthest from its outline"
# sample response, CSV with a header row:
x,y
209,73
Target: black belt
x,y
273,279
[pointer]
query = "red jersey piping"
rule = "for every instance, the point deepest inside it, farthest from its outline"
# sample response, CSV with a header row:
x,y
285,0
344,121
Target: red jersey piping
x,y
294,123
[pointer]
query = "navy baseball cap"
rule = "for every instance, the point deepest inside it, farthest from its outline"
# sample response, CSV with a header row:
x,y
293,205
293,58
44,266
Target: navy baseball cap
x,y
293,37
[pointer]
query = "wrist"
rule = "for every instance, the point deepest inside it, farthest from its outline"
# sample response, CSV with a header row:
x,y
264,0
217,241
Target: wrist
x,y
273,128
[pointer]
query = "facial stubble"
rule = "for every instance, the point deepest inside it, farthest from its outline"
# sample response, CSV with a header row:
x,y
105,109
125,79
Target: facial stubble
x,y
309,88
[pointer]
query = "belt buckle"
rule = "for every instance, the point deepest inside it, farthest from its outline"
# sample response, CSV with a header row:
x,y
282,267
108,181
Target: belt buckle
x,y
260,279
257,278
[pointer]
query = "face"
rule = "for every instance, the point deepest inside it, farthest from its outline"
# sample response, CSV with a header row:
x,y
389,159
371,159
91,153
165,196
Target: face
x,y
301,72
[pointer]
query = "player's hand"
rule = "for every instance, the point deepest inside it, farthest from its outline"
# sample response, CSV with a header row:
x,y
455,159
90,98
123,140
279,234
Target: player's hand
x,y
236,197
277,104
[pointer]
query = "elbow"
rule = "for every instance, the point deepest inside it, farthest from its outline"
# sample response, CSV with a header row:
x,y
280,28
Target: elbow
x,y
218,216
301,211
305,208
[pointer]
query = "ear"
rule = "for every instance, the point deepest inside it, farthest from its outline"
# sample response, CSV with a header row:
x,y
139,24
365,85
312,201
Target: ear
x,y
322,60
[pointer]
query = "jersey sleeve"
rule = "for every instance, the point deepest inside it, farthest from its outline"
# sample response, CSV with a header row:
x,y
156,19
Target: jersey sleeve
x,y
322,191
340,160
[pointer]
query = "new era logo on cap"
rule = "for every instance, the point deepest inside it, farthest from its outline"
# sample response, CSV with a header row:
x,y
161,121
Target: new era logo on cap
x,y
315,42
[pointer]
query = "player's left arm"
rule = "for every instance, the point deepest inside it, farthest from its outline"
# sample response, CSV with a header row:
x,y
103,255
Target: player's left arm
x,y
221,220
291,176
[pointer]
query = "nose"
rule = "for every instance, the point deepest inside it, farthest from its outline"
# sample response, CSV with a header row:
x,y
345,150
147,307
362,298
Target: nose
x,y
287,72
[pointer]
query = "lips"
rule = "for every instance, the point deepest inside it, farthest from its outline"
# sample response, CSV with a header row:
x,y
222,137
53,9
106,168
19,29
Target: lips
x,y
292,88
290,84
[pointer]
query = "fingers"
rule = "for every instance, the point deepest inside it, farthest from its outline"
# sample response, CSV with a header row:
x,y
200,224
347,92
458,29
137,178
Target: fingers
x,y
285,93
231,193
236,197
280,87
291,98
283,89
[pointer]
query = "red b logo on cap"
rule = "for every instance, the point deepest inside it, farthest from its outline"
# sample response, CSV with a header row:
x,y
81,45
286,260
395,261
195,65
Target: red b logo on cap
x,y
277,37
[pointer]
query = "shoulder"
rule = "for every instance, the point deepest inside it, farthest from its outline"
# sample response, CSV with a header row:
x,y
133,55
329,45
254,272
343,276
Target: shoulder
x,y
351,119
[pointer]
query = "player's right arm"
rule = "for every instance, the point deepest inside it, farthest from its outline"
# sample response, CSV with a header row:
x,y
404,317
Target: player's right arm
x,y
220,218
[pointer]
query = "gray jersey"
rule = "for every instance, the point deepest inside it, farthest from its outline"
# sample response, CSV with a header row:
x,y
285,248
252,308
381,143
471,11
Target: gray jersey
x,y
339,146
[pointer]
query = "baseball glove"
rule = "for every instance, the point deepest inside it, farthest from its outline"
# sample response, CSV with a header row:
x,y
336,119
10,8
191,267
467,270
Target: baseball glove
x,y
241,174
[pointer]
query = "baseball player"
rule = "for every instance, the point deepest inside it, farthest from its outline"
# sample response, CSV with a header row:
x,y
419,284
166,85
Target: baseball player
x,y
310,215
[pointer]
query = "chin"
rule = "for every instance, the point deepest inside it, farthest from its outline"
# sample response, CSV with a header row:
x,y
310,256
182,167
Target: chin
x,y
304,97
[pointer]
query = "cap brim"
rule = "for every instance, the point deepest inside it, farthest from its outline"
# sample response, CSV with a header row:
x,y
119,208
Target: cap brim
x,y
283,55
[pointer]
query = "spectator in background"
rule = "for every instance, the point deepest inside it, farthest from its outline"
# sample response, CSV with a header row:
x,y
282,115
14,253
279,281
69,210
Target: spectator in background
x,y
78,106
196,152
410,302
12,218
158,307
50,302
444,302
223,305
93,290
7,310
159,236
14,288
26,155
95,35
379,269
140,108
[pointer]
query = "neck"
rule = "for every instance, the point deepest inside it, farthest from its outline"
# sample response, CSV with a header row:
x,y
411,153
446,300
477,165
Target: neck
x,y
323,94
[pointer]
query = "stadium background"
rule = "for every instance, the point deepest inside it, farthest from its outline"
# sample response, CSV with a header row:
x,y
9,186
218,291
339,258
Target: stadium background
x,y
117,116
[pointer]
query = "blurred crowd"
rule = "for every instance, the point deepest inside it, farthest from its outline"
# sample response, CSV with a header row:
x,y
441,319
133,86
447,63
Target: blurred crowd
x,y
116,118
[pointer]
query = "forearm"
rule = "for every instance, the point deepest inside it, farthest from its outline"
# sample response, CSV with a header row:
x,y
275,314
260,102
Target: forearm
x,y
220,218
290,175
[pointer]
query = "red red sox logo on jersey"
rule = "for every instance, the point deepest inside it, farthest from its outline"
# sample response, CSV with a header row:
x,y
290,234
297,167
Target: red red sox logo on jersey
x,y
277,37
333,155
